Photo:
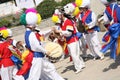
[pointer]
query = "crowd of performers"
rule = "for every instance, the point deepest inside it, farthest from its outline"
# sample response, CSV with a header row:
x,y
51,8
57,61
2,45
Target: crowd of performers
x,y
75,30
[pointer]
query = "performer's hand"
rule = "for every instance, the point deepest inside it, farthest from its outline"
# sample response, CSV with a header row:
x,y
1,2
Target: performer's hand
x,y
11,48
111,22
47,53
53,29
58,31
86,27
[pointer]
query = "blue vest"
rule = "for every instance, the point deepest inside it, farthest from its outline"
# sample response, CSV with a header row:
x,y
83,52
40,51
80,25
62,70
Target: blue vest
x,y
36,54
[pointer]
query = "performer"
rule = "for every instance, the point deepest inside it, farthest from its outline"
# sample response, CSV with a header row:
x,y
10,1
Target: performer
x,y
1,40
69,32
73,10
41,68
111,18
26,58
8,69
58,37
88,19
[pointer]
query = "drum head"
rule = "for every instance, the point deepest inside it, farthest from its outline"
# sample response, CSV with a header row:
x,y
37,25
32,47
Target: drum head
x,y
55,49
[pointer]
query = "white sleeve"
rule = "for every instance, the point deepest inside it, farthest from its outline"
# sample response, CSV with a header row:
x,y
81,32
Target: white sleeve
x,y
66,33
14,42
35,44
45,33
93,22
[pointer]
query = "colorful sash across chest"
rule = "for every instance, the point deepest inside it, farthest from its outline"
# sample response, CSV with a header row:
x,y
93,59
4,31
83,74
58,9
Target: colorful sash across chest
x,y
27,58
111,12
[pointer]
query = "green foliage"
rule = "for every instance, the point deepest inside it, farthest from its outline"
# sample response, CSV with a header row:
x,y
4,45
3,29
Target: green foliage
x,y
64,2
4,22
9,21
46,8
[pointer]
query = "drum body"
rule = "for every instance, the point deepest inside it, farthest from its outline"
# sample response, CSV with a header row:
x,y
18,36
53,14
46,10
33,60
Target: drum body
x,y
80,26
55,50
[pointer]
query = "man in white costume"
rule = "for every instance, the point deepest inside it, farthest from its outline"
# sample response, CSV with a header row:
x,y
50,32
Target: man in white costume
x,y
88,19
74,12
41,68
68,30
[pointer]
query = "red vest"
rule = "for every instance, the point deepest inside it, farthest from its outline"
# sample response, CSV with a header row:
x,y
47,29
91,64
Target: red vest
x,y
5,54
73,38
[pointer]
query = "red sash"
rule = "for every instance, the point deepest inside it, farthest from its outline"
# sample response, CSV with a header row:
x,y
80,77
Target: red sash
x,y
39,37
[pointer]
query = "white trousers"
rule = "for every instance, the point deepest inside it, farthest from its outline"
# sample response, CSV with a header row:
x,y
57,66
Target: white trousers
x,y
42,69
17,77
74,51
9,73
6,72
94,44
82,45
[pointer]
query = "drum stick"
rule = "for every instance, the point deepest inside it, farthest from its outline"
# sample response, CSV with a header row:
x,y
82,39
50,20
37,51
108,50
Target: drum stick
x,y
101,19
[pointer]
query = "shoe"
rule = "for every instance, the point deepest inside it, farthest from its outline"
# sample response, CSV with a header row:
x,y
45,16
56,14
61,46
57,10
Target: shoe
x,y
102,57
65,79
78,71
62,58
83,66
94,58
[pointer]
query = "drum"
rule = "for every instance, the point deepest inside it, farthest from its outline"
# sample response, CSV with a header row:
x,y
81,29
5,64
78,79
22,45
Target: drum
x,y
55,50
54,35
80,27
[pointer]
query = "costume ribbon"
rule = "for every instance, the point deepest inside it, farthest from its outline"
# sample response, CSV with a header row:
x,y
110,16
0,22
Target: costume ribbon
x,y
114,43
